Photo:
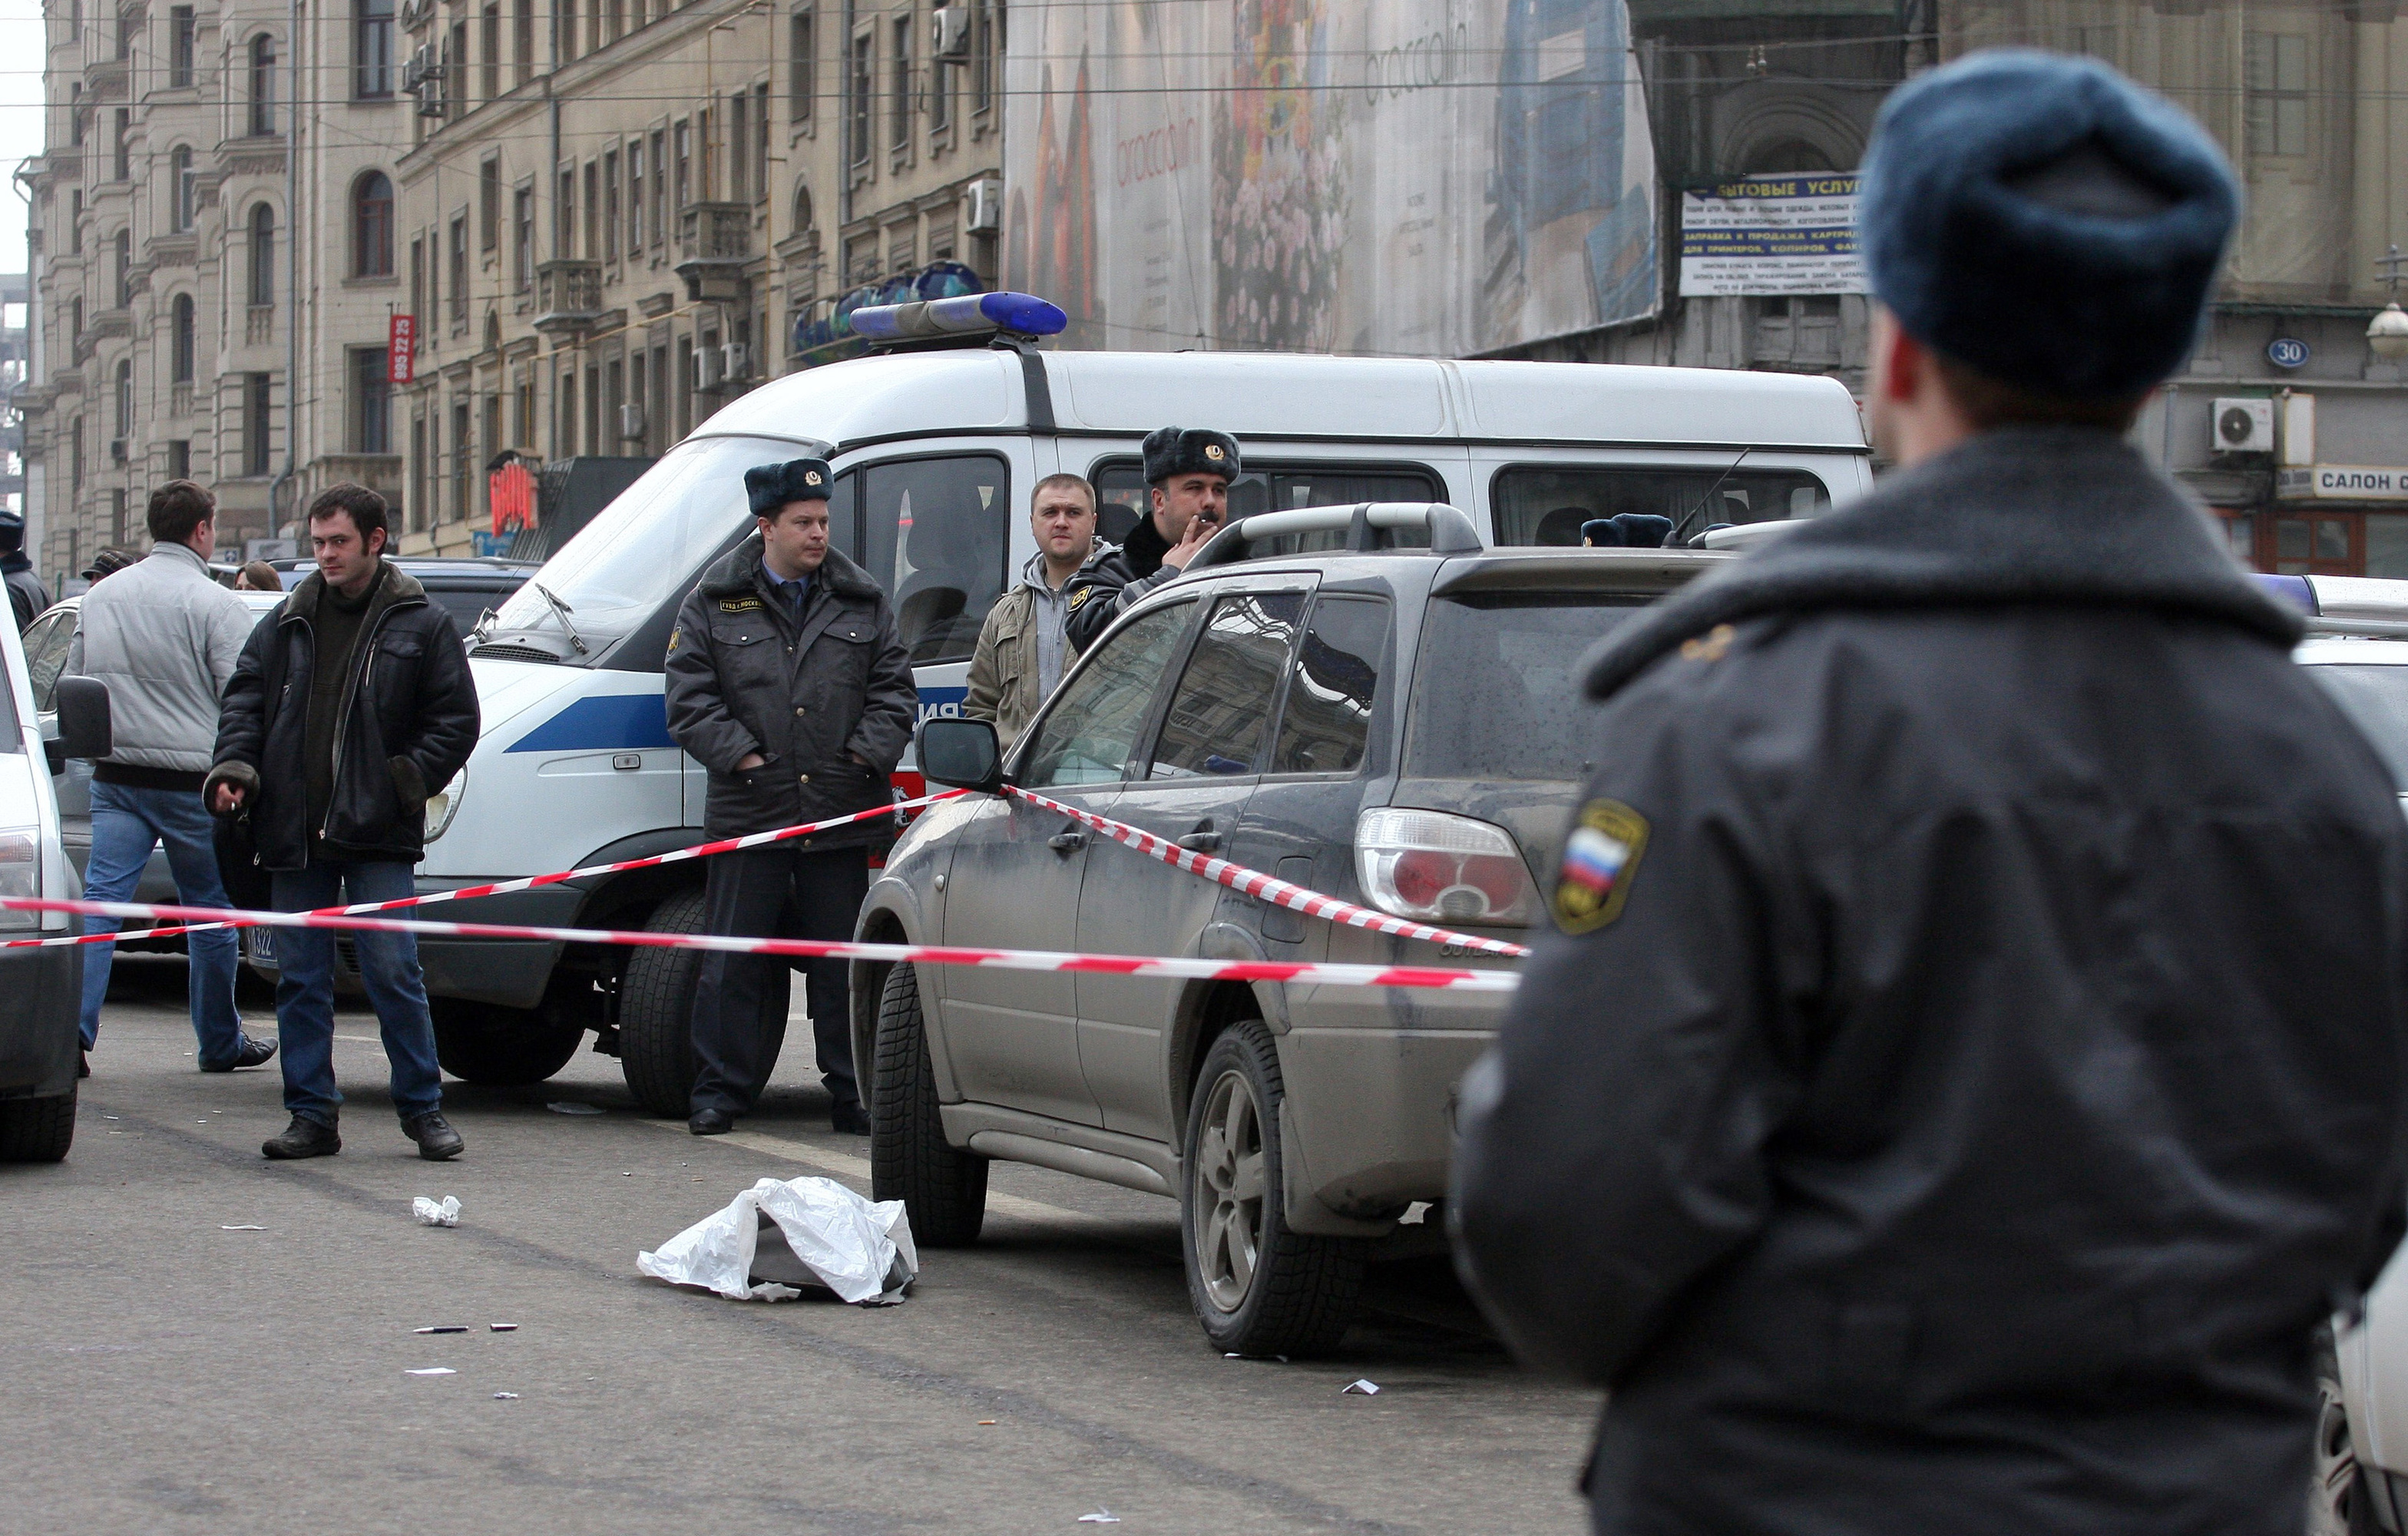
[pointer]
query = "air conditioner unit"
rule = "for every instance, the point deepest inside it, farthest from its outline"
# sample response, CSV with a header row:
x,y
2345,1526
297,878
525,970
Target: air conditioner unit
x,y
430,100
706,364
739,361
631,424
983,206
117,451
2242,426
950,29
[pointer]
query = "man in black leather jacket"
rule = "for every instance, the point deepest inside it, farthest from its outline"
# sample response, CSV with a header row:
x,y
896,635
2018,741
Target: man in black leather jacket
x,y
787,680
352,704
1189,471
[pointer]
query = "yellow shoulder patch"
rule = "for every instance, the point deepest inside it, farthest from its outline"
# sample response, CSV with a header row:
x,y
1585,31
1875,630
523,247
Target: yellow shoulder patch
x,y
1601,860
1710,646
1080,597
673,635
738,604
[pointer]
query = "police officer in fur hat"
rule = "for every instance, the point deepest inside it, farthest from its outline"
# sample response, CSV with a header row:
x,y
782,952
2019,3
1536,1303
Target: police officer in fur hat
x,y
1189,470
27,596
787,680
1965,1065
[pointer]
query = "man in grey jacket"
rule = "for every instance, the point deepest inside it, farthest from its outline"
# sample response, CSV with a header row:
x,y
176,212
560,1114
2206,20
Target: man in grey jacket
x,y
164,637
1024,645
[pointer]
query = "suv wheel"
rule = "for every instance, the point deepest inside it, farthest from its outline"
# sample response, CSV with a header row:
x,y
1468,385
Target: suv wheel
x,y
943,1189
2338,1502
1258,1287
656,1011
36,1130
498,1047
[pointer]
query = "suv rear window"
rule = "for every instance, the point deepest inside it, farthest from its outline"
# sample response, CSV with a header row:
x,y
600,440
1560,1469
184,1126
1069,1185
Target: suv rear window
x,y
1497,688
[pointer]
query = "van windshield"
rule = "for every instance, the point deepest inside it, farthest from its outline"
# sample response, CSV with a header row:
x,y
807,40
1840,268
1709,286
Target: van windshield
x,y
650,543
1496,689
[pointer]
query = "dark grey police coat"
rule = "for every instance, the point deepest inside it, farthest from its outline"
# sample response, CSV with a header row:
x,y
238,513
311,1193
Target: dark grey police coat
x,y
743,677
1975,1064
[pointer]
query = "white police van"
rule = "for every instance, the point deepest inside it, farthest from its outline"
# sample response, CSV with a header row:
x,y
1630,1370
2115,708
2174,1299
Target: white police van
x,y
936,451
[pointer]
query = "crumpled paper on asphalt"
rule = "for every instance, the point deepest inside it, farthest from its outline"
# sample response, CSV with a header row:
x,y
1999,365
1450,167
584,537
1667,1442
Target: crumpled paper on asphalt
x,y
859,1248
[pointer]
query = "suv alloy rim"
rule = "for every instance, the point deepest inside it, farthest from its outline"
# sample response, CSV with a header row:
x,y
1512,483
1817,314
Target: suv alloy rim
x,y
1229,1192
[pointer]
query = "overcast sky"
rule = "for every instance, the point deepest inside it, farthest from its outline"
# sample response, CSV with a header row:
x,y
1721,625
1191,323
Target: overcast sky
x,y
20,117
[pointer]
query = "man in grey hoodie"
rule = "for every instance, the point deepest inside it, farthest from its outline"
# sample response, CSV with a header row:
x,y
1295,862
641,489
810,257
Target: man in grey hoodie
x,y
164,637
1023,648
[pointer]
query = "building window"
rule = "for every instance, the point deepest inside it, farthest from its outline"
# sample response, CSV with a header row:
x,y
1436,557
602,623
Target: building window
x,y
263,84
898,108
75,320
568,434
488,204
593,210
74,456
121,253
257,455
183,44
2276,66
263,255
182,184
125,398
684,132
739,146
418,277
802,208
464,454
983,48
182,337
861,85
416,473
610,205
459,274
371,401
761,142
522,39
660,184
940,93
522,414
372,226
522,234
180,458
372,47
129,29
121,163
492,63
75,224
634,197
565,239
801,67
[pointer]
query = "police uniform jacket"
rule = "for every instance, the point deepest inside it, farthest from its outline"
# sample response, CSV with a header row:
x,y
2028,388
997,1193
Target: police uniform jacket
x,y
744,675
1112,579
1968,1063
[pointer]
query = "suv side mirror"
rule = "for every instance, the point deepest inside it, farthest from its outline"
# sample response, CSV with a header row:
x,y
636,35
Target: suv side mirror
x,y
961,754
82,705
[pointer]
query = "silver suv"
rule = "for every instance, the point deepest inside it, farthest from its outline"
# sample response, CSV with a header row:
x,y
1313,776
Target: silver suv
x,y
1362,701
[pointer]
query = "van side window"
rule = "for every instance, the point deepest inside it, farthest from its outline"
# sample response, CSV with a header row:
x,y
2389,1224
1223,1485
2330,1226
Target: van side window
x,y
1122,492
1223,709
1089,734
1546,504
1326,723
934,533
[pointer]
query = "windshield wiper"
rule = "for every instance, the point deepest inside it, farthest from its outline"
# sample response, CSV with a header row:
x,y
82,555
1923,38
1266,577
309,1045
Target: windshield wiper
x,y
563,609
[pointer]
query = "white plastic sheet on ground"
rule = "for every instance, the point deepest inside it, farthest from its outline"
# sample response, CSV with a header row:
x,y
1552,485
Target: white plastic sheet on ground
x,y
860,1249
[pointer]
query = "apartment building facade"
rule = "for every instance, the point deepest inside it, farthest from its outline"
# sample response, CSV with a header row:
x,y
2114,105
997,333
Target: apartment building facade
x,y
212,227
615,212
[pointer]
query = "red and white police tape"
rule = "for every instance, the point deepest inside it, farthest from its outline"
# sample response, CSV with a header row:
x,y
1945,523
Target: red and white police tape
x,y
1263,887
725,845
996,959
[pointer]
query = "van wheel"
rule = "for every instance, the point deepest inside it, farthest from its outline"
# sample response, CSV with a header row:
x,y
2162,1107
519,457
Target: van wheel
x,y
496,1047
656,1011
1258,1287
943,1189
2338,1502
36,1130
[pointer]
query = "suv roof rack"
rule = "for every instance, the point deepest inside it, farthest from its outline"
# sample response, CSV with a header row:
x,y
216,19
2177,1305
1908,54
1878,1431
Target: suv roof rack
x,y
1450,531
2342,605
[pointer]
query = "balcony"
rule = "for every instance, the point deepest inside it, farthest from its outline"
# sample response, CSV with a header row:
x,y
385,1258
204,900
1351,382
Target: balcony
x,y
567,296
105,79
179,400
379,472
714,242
259,324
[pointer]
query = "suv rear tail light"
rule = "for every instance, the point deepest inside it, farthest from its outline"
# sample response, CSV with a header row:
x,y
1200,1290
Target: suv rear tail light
x,y
1436,867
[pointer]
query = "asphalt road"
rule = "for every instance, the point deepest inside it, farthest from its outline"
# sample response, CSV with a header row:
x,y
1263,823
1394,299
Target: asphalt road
x,y
163,1373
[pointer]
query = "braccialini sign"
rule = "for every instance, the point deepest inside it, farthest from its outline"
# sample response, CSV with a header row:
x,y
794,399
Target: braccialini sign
x,y
1419,177
1771,234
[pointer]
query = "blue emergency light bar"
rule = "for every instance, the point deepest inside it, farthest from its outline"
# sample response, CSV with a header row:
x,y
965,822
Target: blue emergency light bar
x,y
970,314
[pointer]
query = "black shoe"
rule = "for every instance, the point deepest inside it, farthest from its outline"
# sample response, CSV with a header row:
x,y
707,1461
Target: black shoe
x,y
710,1122
83,1064
848,1119
252,1054
303,1137
437,1140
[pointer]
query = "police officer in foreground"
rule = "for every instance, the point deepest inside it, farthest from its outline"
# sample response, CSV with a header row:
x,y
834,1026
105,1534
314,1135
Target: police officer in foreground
x,y
1967,1066
787,680
1187,472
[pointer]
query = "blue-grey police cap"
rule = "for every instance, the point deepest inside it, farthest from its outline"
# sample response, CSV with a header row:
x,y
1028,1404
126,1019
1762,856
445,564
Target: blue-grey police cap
x,y
2045,221
770,486
1189,451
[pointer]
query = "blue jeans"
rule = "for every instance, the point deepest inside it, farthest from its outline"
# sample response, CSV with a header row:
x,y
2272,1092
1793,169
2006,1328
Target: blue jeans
x,y
305,991
126,823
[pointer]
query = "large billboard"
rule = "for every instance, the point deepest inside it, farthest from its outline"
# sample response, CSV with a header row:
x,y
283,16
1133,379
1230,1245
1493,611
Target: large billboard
x,y
1418,177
